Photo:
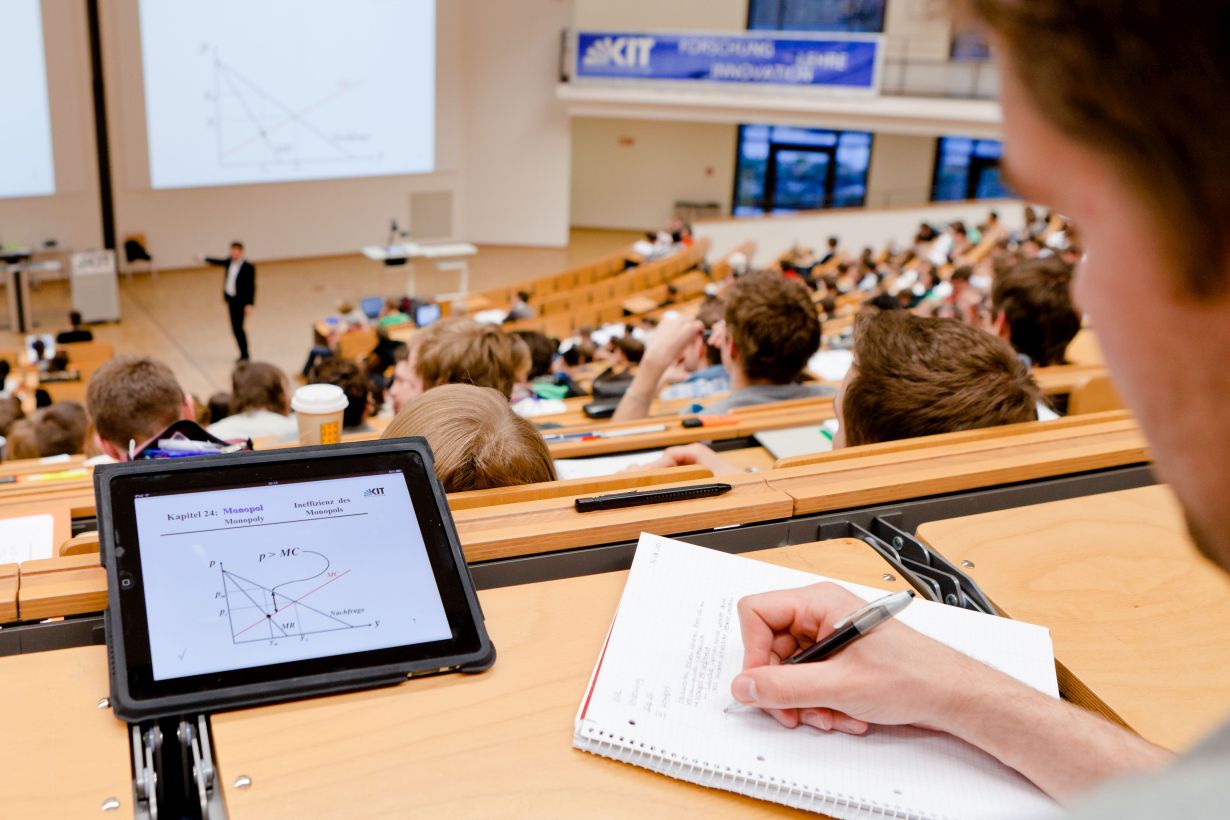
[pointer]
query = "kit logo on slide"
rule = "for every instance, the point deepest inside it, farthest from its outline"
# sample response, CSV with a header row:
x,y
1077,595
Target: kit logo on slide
x,y
374,491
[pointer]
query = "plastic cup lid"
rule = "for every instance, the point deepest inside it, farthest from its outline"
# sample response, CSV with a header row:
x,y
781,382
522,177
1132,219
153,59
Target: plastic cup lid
x,y
318,399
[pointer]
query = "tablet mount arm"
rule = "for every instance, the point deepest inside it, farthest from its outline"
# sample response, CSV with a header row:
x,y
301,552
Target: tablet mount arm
x,y
174,774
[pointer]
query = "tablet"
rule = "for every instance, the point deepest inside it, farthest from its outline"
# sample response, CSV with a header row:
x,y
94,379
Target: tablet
x,y
254,577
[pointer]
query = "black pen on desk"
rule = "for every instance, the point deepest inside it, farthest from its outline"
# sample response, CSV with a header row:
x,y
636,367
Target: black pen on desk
x,y
846,631
654,495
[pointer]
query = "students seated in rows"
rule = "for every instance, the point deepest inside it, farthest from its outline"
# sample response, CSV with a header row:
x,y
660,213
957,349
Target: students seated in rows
x,y
259,405
913,376
20,441
521,308
391,314
623,355
699,372
770,331
59,429
478,441
547,382
459,351
1032,308
75,333
352,378
10,411
134,401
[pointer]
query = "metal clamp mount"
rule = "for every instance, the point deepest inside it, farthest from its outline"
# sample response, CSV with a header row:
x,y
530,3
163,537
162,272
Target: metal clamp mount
x,y
175,778
931,574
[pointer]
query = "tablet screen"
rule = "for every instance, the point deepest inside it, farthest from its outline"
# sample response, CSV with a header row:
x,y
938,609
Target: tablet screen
x,y
284,571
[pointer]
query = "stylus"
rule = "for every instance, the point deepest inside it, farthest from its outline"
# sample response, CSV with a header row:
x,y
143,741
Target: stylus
x,y
636,498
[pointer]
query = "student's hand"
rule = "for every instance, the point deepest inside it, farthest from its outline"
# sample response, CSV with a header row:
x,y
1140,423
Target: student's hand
x,y
674,374
672,337
247,310
670,340
892,676
692,454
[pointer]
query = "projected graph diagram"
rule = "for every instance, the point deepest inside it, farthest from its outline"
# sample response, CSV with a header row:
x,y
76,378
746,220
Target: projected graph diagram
x,y
303,595
255,126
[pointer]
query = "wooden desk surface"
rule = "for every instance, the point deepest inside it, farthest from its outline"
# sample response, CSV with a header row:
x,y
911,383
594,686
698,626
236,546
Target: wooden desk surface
x,y
793,413
497,744
550,524
60,755
884,477
1128,600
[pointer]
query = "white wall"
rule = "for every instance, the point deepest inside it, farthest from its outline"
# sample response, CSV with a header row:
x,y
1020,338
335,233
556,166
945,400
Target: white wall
x,y
917,29
857,227
629,173
900,171
71,215
641,15
516,159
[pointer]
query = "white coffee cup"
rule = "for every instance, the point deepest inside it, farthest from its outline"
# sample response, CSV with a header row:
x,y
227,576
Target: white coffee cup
x,y
319,408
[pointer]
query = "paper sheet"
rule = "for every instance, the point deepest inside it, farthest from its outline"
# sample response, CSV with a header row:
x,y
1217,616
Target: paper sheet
x,y
798,441
665,674
831,365
26,538
567,468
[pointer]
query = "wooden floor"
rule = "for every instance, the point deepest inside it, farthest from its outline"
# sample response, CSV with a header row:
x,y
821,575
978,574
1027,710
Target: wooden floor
x,y
182,320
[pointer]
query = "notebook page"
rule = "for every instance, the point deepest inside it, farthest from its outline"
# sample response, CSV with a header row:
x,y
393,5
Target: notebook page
x,y
664,681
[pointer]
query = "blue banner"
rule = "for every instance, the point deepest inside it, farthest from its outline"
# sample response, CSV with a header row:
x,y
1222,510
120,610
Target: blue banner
x,y
761,59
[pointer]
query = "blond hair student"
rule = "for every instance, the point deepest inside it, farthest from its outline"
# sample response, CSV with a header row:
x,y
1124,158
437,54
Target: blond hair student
x,y
478,441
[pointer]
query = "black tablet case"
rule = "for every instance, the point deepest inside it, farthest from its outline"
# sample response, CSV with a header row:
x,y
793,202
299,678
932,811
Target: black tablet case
x,y
233,697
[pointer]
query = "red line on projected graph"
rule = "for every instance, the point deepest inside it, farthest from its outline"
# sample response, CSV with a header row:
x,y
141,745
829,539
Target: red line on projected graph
x,y
292,603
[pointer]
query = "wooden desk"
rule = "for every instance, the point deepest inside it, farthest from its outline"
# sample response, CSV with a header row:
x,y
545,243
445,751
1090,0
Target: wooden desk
x,y
61,523
8,593
53,587
61,755
552,524
757,458
897,475
793,413
1064,378
1130,604
492,745
1084,349
28,466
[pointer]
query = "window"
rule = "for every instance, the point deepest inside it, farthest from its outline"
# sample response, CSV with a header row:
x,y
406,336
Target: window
x,y
970,45
816,15
781,169
967,168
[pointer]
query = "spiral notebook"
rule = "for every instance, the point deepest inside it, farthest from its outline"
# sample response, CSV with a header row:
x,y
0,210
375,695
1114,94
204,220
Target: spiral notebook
x,y
658,693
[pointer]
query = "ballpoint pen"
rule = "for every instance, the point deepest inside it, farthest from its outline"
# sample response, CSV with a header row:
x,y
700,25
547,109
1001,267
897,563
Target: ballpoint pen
x,y
846,631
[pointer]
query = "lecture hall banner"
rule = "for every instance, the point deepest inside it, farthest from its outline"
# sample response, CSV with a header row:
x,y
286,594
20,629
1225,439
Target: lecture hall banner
x,y
847,62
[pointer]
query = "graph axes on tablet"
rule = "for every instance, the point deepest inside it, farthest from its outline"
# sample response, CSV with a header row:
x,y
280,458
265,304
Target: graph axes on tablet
x,y
262,598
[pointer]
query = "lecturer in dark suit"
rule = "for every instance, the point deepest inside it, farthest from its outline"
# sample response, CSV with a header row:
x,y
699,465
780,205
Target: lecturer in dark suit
x,y
239,290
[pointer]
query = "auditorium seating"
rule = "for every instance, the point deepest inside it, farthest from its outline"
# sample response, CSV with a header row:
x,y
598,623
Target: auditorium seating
x,y
603,302
541,518
536,519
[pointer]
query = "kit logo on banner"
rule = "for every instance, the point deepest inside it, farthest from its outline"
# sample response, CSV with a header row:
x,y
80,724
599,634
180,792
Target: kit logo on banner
x,y
628,52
